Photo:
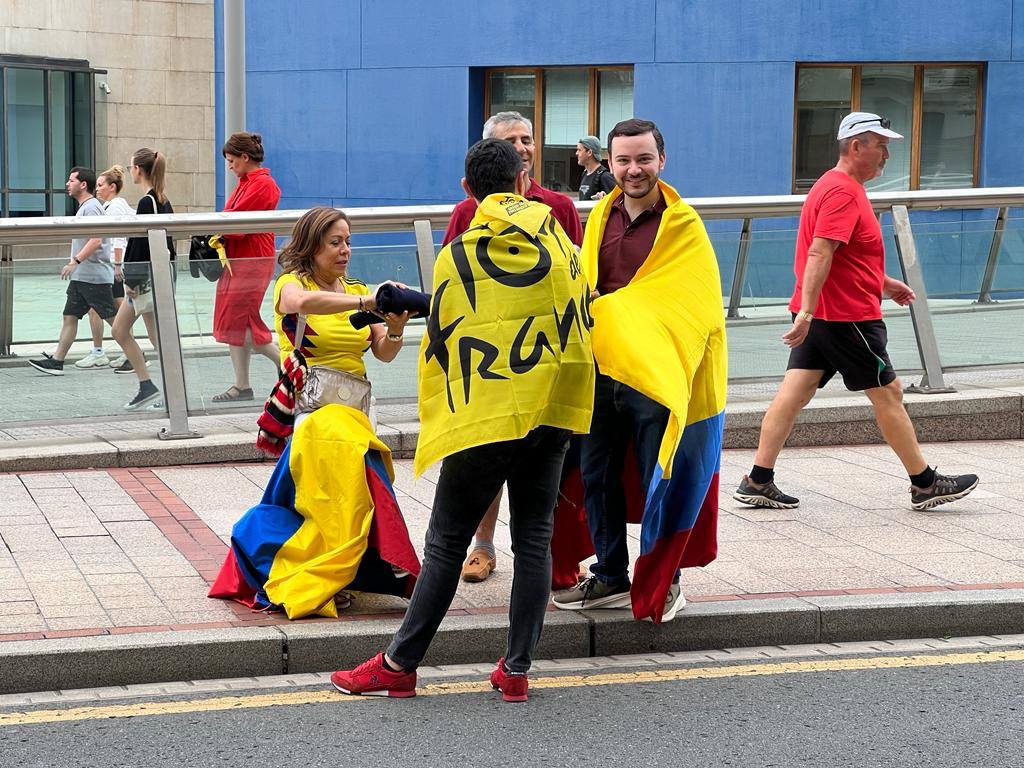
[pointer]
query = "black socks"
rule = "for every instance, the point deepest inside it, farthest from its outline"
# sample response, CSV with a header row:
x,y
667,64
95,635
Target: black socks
x,y
924,479
761,475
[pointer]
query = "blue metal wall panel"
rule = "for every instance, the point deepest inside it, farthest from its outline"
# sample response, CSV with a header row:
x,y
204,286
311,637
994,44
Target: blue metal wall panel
x,y
828,30
407,133
311,35
1002,162
722,124
401,33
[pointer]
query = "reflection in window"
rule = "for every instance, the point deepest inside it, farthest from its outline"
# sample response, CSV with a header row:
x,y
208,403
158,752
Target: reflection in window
x,y
948,124
566,111
26,122
615,99
823,98
889,91
941,100
514,92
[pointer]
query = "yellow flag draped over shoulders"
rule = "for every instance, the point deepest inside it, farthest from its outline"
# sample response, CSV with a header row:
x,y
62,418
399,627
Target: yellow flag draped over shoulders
x,y
507,347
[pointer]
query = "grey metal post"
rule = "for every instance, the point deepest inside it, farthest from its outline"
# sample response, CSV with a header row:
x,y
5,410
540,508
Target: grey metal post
x,y
170,339
985,293
425,255
920,315
234,76
739,274
6,300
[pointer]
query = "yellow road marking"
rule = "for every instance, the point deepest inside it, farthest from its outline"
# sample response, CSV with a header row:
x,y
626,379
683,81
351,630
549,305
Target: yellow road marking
x,y
223,703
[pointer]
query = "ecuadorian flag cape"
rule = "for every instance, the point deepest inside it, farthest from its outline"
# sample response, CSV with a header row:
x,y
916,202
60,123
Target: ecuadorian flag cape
x,y
507,347
663,334
328,520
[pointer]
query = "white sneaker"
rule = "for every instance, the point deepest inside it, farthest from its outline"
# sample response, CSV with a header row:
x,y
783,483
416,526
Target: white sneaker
x,y
118,361
675,601
94,360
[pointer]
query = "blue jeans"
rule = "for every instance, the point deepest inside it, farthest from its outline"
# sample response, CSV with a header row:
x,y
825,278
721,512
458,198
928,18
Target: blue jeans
x,y
620,413
470,479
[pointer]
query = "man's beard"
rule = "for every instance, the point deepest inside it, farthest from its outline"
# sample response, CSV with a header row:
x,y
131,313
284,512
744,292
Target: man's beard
x,y
638,195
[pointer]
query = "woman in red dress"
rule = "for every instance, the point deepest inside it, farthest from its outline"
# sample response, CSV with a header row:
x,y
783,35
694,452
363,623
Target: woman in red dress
x,y
241,288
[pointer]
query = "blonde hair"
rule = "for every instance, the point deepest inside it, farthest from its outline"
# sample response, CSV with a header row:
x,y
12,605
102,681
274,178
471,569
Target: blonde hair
x,y
308,237
154,166
115,175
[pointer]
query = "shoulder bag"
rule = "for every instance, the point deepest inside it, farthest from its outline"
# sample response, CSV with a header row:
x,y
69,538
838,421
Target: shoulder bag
x,y
325,385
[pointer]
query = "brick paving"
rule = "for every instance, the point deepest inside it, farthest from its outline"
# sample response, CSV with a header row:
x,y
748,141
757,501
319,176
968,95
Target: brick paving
x,y
130,550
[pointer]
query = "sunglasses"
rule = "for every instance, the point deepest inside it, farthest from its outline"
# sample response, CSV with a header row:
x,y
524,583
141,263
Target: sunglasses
x,y
884,122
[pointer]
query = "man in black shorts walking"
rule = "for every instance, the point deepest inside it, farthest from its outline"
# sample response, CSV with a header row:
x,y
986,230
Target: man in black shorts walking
x,y
837,321
89,270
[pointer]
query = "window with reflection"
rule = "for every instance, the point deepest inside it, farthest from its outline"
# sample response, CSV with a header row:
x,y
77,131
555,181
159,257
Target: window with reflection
x,y
565,104
47,127
937,107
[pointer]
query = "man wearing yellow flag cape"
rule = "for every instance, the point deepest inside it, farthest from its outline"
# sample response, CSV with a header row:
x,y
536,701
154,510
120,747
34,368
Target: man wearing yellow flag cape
x,y
654,449
506,375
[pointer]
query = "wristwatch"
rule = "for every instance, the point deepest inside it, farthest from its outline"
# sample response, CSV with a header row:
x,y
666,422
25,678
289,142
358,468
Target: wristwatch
x,y
801,315
394,337
76,260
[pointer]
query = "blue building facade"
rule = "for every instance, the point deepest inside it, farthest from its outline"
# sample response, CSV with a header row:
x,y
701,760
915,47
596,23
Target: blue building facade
x,y
374,103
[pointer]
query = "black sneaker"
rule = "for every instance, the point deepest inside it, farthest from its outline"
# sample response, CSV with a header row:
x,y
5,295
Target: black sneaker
x,y
766,496
125,367
147,392
591,593
48,365
946,488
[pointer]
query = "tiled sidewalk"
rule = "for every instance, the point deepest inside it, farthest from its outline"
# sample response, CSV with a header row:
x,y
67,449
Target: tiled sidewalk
x,y
127,550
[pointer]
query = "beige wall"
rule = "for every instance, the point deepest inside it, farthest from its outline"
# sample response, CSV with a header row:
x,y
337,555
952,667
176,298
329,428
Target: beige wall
x,y
159,60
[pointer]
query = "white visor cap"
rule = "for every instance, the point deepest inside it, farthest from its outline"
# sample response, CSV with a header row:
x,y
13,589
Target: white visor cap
x,y
856,123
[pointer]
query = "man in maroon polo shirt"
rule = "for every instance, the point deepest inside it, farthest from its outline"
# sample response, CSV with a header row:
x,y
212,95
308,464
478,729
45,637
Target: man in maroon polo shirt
x,y
512,127
636,154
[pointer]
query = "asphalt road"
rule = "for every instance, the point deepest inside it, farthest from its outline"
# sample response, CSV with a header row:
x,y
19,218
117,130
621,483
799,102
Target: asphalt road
x,y
961,709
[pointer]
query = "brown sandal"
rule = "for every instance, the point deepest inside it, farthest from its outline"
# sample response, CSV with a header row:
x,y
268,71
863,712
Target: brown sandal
x,y
234,394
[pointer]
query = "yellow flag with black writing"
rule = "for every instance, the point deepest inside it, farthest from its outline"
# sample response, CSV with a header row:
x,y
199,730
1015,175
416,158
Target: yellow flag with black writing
x,y
507,347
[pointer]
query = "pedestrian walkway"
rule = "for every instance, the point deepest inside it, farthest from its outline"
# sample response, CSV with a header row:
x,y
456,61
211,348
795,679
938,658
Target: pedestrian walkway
x,y
134,550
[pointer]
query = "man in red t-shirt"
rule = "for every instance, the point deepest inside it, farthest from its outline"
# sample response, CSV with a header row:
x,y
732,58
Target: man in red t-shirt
x,y
837,321
512,127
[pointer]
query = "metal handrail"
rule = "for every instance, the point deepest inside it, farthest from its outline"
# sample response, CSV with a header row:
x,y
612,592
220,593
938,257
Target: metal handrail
x,y
29,231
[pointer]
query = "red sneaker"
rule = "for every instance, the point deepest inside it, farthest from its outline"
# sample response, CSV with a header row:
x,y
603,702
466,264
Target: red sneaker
x,y
513,687
372,678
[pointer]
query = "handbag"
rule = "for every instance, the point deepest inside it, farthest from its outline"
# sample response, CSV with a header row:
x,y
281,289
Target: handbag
x,y
203,258
325,385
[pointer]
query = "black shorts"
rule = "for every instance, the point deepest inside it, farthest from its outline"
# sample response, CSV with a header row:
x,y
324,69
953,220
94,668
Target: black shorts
x,y
855,350
85,296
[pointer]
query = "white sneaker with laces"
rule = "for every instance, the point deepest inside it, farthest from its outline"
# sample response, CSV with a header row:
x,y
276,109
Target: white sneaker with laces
x,y
94,360
118,361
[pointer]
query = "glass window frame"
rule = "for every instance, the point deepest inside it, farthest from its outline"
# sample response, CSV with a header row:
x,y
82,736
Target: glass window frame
x,y
593,98
918,108
49,66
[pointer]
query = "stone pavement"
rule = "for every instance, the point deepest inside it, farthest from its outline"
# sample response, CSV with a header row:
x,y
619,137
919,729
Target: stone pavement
x,y
131,550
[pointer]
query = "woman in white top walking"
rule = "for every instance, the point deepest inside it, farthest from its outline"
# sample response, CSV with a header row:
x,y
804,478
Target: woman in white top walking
x,y
108,188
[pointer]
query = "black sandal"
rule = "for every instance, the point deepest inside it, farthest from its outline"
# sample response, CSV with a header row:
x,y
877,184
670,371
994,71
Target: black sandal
x,y
234,394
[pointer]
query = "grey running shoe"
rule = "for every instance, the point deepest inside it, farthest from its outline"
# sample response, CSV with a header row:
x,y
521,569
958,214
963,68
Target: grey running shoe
x,y
764,496
946,488
675,601
591,593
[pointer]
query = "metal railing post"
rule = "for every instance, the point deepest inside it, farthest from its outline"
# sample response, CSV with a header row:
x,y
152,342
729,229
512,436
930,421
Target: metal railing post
x,y
985,293
920,315
6,300
170,339
739,274
425,254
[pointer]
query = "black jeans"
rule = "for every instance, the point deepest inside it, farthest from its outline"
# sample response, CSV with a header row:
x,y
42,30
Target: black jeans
x,y
469,482
620,413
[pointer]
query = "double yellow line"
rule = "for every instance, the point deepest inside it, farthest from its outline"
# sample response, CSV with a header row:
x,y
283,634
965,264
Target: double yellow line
x,y
224,703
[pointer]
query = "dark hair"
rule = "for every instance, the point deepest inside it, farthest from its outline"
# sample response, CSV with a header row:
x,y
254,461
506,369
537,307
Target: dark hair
x,y
244,143
154,167
308,236
637,127
88,175
492,165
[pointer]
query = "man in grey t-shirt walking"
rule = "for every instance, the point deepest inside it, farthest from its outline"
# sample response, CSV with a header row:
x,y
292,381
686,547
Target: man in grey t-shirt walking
x,y
90,271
